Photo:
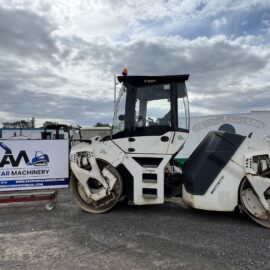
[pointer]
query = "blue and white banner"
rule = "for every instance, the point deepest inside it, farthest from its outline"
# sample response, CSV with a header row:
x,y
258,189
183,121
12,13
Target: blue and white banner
x,y
34,164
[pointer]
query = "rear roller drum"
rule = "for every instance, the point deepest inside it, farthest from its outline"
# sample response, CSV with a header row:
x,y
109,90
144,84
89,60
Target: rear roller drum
x,y
252,205
102,205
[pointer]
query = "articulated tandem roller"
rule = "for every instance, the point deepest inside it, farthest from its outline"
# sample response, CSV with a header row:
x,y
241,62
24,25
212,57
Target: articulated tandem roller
x,y
136,163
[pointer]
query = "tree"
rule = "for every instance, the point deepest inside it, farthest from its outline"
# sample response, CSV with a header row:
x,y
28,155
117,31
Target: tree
x,y
20,124
33,122
49,123
99,124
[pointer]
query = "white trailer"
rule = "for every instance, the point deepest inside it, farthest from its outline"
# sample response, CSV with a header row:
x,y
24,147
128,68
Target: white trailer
x,y
255,122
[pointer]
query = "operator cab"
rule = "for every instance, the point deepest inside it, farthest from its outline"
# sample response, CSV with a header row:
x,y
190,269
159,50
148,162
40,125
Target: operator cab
x,y
151,106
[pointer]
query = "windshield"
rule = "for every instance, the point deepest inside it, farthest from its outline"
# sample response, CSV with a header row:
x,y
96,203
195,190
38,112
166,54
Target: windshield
x,y
151,110
153,106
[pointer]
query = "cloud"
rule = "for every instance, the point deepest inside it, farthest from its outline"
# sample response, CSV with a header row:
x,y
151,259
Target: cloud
x,y
222,70
26,34
52,106
57,59
253,98
218,67
217,23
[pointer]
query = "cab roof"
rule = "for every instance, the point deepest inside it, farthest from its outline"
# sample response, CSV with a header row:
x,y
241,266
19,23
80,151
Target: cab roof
x,y
141,81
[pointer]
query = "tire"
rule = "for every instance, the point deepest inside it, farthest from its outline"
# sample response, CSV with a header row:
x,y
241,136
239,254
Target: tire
x,y
91,207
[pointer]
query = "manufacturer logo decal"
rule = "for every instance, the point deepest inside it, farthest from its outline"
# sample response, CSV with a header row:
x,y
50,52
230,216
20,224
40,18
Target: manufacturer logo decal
x,y
150,81
180,137
39,159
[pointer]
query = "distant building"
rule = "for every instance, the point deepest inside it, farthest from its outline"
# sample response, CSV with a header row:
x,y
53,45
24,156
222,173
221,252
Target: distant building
x,y
38,133
30,133
90,132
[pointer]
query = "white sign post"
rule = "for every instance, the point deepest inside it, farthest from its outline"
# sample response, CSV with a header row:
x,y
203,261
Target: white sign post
x,y
34,164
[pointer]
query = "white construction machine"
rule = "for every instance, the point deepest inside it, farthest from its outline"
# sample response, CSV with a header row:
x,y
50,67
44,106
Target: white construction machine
x,y
136,163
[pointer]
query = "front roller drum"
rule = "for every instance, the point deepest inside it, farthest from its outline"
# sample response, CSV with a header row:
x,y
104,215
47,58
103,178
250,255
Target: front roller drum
x,y
100,206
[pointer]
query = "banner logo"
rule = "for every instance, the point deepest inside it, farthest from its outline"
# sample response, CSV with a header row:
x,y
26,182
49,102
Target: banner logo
x,y
40,159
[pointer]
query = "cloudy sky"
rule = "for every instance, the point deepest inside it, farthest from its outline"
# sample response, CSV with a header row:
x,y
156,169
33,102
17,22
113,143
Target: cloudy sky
x,y
57,58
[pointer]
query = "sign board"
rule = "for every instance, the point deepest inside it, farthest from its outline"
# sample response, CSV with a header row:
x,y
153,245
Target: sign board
x,y
34,164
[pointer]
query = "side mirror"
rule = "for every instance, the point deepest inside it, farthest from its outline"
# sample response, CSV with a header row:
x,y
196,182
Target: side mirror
x,y
121,117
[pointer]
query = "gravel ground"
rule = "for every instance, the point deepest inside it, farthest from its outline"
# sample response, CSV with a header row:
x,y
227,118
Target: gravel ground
x,y
168,236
